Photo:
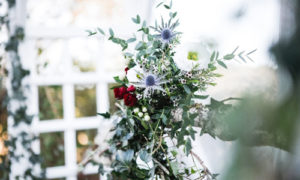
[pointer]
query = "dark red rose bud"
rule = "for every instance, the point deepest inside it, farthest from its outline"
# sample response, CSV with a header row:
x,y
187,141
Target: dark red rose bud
x,y
126,69
131,88
130,99
120,92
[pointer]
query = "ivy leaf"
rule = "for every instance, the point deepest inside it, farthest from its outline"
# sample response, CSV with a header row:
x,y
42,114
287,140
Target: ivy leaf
x,y
125,156
101,169
221,63
175,168
145,156
174,153
105,115
188,146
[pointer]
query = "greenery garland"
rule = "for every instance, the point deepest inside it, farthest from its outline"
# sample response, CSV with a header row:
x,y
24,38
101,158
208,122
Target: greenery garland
x,y
16,94
160,108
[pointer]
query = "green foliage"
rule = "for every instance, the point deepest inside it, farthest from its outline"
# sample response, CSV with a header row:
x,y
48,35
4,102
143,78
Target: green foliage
x,y
17,94
136,137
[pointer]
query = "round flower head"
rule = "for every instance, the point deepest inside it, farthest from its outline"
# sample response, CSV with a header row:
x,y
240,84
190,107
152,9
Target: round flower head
x,y
166,31
150,82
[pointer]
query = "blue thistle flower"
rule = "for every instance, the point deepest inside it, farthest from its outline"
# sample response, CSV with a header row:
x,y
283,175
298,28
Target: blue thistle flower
x,y
150,82
166,32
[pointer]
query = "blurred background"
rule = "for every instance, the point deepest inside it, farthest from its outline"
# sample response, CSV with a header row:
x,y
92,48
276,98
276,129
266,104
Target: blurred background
x,y
71,73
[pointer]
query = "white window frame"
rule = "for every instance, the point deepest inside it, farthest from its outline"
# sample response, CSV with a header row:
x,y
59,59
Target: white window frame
x,y
69,124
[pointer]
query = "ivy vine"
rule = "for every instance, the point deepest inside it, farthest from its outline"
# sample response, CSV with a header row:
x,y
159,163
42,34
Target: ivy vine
x,y
18,110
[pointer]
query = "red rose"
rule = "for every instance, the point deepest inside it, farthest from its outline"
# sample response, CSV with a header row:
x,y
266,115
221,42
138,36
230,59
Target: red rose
x,y
120,92
126,69
131,88
130,99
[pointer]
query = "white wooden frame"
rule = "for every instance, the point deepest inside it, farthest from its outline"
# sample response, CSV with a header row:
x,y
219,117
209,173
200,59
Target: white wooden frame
x,y
69,124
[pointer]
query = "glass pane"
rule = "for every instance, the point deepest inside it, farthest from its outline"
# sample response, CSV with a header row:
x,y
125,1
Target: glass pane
x,y
50,102
84,141
84,54
52,149
88,177
85,100
49,56
112,99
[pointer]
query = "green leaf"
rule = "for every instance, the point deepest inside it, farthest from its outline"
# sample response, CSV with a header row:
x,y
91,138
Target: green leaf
x,y
164,119
145,156
101,169
201,96
221,63
111,32
100,31
139,46
229,56
174,153
117,79
251,52
212,57
167,7
131,40
187,89
175,168
125,156
138,19
127,54
159,4
188,146
91,33
105,115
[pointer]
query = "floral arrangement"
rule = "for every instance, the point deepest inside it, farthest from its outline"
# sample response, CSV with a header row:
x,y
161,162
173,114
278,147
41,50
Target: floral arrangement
x,y
160,105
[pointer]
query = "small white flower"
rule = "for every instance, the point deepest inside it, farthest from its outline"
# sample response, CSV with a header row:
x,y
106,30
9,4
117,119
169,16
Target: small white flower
x,y
167,62
144,109
140,114
147,117
136,110
183,81
139,96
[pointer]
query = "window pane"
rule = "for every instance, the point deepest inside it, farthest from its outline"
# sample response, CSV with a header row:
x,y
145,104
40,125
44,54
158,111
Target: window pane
x,y
88,177
84,141
50,102
52,149
112,99
85,100
49,56
84,54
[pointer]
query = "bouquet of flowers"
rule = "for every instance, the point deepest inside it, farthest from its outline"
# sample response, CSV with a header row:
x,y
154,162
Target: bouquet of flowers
x,y
159,105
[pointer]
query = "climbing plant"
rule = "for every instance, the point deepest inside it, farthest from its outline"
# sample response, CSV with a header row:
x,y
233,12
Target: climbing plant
x,y
15,102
